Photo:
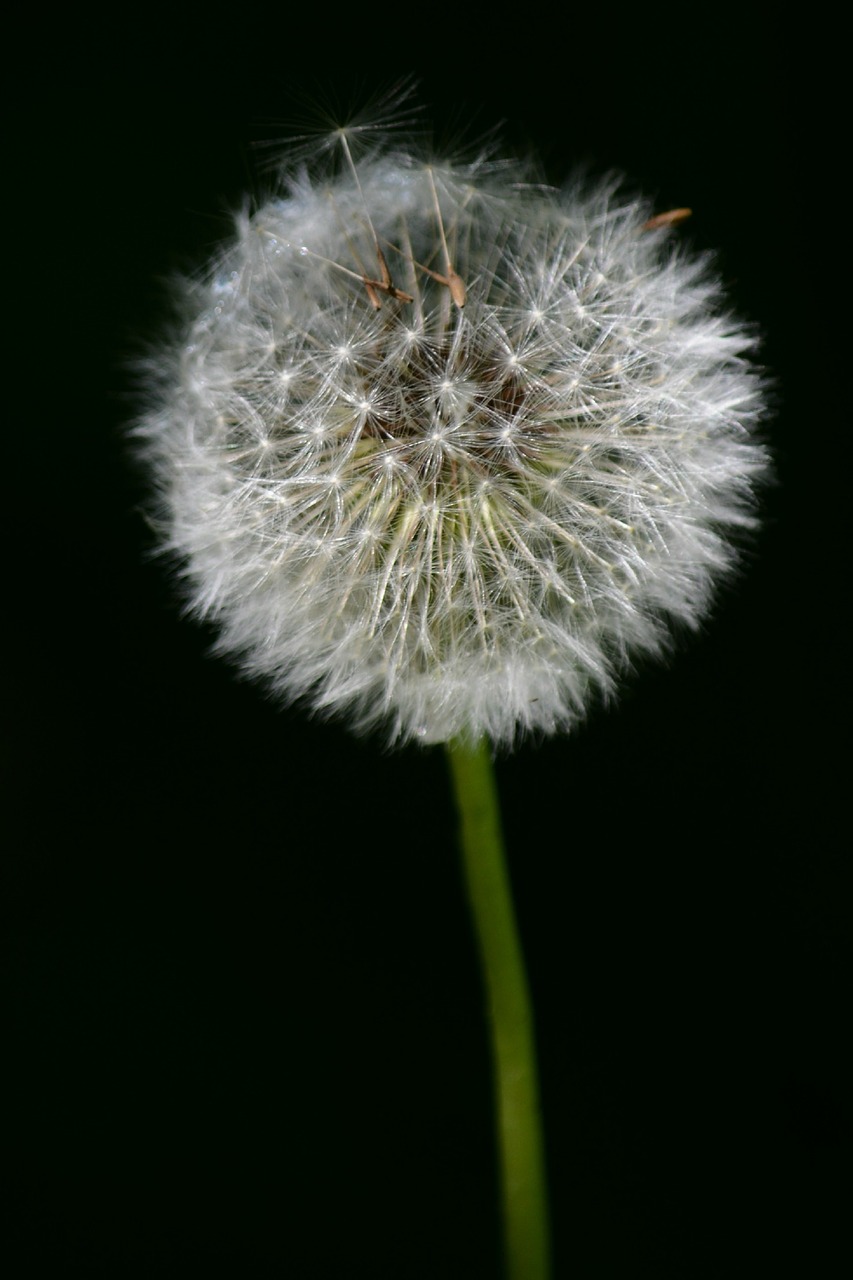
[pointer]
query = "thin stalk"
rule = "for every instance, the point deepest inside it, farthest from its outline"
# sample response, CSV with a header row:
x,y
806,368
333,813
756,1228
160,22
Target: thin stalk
x,y
519,1124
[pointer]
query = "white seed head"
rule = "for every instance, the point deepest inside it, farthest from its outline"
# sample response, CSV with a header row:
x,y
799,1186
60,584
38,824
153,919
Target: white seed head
x,y
441,450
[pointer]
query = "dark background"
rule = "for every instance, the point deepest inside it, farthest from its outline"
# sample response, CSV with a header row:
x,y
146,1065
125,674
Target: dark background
x,y
246,1029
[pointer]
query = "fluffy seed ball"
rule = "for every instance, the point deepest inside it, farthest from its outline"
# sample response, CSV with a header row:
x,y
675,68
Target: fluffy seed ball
x,y
440,451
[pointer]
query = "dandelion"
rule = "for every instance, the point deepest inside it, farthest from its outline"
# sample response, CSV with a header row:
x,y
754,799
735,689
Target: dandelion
x,y
441,451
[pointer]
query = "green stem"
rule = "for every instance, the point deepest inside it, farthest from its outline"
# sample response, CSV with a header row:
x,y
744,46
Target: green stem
x,y
525,1206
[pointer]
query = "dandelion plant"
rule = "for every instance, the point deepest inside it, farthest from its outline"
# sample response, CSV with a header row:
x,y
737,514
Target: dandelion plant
x,y
441,450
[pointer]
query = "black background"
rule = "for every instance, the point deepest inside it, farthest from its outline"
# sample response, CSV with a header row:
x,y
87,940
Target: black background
x,y
246,1029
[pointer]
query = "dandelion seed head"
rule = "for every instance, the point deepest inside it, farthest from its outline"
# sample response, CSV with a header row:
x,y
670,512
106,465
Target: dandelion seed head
x,y
441,451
